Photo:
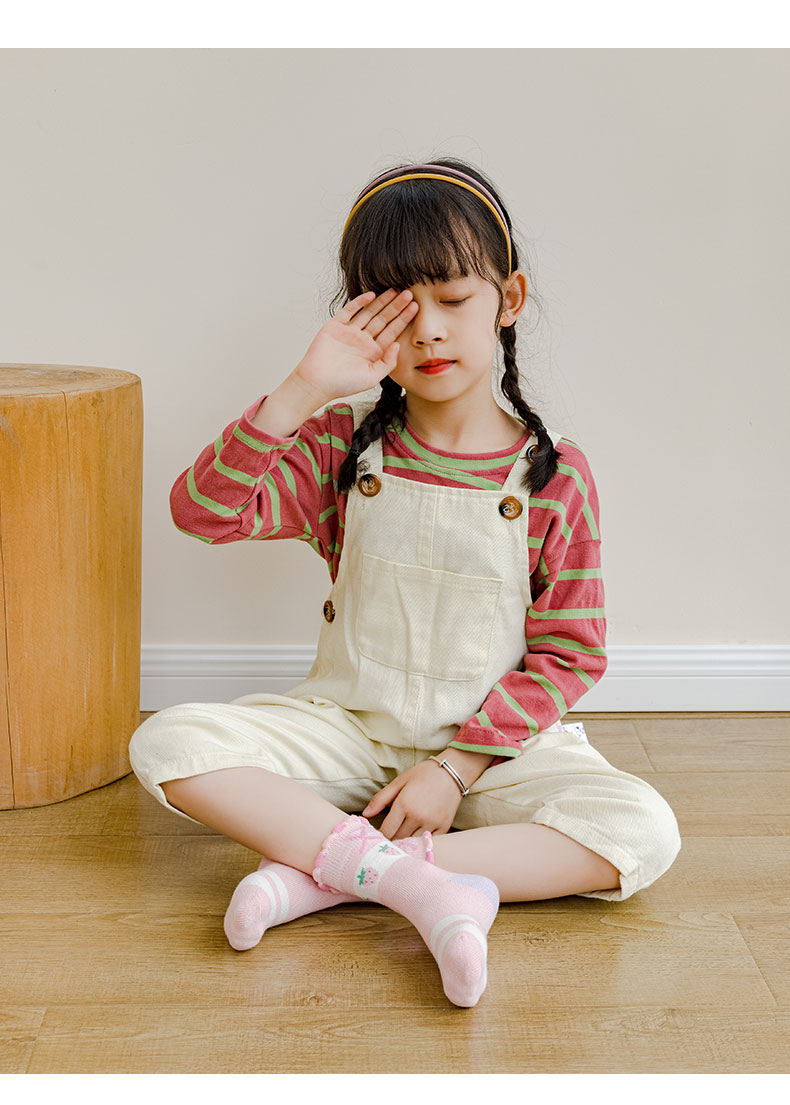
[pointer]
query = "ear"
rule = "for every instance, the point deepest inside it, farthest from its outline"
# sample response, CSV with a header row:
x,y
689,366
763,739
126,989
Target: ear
x,y
515,298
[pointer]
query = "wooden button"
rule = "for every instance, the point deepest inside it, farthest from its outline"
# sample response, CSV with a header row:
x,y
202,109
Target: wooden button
x,y
329,610
510,507
369,484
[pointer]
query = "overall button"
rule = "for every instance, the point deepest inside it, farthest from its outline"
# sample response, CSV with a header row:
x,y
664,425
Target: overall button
x,y
510,507
369,484
329,610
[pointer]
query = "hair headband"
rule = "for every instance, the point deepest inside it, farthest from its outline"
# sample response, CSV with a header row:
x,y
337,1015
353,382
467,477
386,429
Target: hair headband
x,y
436,172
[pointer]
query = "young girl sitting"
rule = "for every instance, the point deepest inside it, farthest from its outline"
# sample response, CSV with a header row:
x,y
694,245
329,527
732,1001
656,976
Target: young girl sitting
x,y
465,617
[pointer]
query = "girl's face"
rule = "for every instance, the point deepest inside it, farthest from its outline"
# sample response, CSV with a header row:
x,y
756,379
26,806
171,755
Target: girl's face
x,y
455,322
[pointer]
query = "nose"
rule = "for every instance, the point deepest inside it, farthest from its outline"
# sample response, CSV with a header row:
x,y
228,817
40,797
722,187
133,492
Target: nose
x,y
427,328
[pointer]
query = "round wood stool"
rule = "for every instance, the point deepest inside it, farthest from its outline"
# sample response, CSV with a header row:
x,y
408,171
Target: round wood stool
x,y
71,483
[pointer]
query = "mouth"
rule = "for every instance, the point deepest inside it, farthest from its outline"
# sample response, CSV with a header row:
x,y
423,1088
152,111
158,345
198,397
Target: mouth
x,y
432,368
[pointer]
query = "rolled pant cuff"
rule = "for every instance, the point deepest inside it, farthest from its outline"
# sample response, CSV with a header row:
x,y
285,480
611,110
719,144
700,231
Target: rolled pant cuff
x,y
185,769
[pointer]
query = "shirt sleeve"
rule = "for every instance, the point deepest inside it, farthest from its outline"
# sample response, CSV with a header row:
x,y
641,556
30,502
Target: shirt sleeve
x,y
251,485
565,627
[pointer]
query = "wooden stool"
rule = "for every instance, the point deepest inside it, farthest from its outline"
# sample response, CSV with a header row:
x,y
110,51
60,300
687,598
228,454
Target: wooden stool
x,y
71,482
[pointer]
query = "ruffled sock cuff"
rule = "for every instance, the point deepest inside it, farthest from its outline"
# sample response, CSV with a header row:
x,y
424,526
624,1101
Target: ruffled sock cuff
x,y
344,861
320,859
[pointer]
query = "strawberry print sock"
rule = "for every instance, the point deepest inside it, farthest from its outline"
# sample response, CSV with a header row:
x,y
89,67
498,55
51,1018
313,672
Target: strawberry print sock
x,y
276,893
452,913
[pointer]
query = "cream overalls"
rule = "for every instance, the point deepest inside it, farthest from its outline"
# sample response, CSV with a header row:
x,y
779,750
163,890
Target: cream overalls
x,y
426,613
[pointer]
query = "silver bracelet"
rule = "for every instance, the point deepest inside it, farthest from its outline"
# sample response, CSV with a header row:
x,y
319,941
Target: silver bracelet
x,y
449,767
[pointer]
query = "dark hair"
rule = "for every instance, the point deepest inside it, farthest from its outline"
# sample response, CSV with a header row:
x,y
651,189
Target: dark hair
x,y
432,230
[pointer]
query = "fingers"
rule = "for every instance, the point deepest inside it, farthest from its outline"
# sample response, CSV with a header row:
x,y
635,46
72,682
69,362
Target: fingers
x,y
354,305
384,316
381,799
391,824
384,334
398,824
392,318
373,807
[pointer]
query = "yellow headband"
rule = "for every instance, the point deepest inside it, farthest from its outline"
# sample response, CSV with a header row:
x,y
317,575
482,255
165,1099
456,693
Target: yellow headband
x,y
441,174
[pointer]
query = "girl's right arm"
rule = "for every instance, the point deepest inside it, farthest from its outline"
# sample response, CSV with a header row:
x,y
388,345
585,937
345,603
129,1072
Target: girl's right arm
x,y
289,405
252,484
272,473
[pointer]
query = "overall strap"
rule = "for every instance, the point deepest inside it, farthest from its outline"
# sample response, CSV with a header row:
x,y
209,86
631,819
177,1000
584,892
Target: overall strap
x,y
522,464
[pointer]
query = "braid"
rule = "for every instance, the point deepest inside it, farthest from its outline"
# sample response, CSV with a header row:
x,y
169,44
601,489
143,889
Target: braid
x,y
391,405
544,466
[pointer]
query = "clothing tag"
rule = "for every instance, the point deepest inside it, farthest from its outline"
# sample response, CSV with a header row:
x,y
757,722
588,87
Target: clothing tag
x,y
578,731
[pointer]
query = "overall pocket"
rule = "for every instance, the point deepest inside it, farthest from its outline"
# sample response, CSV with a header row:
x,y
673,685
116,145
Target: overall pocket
x,y
425,621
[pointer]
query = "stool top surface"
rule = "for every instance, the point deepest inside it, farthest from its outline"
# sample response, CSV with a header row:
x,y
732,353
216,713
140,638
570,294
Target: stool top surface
x,y
45,379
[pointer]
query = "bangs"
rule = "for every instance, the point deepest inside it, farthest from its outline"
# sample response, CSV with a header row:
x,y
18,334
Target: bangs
x,y
403,242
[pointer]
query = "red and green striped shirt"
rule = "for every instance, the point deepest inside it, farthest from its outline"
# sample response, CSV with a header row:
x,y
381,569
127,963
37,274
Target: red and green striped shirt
x,y
248,485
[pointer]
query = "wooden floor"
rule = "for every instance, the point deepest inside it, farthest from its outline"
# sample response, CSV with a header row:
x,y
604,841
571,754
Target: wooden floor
x,y
114,960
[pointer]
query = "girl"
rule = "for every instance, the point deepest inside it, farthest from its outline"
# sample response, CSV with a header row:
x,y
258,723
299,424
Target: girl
x,y
465,616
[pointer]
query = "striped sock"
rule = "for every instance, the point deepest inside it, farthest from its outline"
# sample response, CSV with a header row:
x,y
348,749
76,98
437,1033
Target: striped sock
x,y
276,893
452,913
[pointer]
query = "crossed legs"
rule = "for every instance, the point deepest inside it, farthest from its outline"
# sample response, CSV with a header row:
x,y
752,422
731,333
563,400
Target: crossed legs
x,y
286,821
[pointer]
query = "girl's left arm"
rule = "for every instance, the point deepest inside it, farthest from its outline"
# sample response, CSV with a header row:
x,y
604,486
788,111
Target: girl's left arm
x,y
565,628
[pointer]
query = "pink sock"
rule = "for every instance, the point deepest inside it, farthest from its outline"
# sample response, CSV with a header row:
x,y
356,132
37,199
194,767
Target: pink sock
x,y
276,893
452,913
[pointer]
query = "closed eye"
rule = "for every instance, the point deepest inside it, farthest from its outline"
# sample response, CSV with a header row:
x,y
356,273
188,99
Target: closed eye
x,y
455,302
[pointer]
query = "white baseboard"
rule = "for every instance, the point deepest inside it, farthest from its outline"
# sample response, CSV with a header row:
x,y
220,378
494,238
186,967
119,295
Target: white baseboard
x,y
639,678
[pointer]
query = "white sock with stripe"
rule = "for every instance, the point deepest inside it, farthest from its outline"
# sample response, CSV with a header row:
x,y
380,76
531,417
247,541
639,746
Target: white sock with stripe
x,y
452,913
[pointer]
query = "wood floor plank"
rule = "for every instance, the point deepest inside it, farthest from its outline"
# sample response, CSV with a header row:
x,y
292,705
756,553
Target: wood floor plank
x,y
564,959
320,959
173,1039
19,1028
106,873
727,803
85,813
717,744
722,874
768,941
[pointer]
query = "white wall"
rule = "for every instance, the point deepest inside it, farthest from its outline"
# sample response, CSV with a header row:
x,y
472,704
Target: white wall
x,y
176,213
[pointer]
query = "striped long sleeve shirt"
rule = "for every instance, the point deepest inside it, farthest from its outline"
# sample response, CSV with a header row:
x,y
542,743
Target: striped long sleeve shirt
x,y
249,485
